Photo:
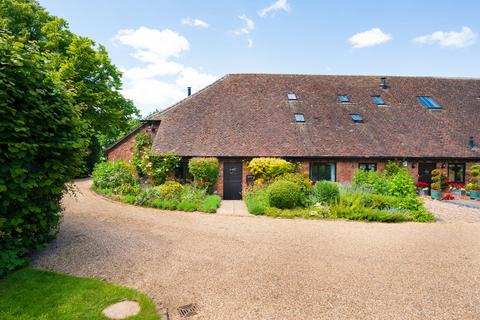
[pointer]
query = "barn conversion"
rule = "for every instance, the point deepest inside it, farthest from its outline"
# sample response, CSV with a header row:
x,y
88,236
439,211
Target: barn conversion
x,y
333,125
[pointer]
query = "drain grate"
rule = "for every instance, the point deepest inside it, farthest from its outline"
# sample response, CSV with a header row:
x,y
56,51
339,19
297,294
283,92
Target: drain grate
x,y
188,310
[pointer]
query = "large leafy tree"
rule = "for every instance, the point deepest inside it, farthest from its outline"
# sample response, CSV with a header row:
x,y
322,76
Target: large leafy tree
x,y
41,149
91,80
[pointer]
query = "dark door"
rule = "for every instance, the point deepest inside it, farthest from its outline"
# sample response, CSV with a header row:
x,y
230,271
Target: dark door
x,y
425,172
232,180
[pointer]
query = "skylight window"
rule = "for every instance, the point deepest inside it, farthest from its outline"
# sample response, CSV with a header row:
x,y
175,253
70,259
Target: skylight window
x,y
291,96
356,118
343,98
299,118
428,102
378,100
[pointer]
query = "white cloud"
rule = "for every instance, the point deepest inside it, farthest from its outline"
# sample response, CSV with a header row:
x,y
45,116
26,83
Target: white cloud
x,y
194,22
246,29
277,5
372,37
249,25
158,82
460,39
153,44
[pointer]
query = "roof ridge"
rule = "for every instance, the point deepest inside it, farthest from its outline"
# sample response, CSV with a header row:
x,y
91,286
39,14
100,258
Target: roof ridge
x,y
351,75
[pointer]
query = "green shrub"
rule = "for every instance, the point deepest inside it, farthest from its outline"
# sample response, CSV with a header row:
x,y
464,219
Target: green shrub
x,y
210,204
41,150
269,168
127,189
147,196
396,181
379,201
128,198
205,172
113,174
369,214
256,200
170,190
186,205
474,172
326,192
284,194
305,213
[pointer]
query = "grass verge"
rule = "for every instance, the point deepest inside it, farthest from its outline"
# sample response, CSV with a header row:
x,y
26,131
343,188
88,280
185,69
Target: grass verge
x,y
35,294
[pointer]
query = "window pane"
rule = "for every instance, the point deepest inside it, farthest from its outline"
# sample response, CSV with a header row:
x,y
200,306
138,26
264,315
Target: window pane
x,y
428,102
456,172
299,117
343,98
291,96
368,166
378,100
322,171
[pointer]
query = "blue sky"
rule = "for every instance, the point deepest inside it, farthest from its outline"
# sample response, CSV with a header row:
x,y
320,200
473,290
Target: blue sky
x,y
164,46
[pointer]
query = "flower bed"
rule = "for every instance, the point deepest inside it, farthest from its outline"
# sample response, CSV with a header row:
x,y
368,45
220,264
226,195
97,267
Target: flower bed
x,y
387,197
118,180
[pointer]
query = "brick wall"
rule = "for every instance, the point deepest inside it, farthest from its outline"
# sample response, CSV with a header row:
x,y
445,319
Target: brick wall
x,y
124,149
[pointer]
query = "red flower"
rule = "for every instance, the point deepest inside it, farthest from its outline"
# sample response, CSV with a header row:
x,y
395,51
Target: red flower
x,y
421,184
448,197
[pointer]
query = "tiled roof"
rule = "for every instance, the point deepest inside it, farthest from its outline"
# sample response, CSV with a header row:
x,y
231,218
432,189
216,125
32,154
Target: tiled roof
x,y
246,115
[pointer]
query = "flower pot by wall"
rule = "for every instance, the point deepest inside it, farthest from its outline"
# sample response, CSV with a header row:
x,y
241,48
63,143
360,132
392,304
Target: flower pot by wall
x,y
475,194
436,194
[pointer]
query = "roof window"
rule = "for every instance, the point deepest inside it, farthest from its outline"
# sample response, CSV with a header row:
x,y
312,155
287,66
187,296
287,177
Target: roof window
x,y
343,98
428,102
291,96
356,118
299,118
378,100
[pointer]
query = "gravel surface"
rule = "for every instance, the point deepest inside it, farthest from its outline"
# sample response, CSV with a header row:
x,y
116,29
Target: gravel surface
x,y
264,268
446,211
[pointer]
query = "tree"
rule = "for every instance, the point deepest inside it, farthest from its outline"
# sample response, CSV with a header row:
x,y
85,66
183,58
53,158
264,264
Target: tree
x,y
92,81
41,149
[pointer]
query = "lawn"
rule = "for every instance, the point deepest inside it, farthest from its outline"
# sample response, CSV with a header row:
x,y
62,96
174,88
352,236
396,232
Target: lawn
x,y
35,294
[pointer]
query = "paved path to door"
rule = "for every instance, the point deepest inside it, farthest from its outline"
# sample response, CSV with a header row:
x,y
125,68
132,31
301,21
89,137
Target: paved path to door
x,y
264,268
233,208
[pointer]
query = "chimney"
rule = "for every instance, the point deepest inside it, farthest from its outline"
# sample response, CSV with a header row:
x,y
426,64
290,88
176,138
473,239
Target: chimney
x,y
471,143
383,83
189,91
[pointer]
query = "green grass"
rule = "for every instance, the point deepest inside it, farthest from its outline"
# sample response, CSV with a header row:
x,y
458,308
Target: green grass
x,y
34,294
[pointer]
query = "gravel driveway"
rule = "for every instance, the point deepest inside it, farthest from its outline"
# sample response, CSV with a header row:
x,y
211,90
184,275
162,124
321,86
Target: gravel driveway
x,y
264,268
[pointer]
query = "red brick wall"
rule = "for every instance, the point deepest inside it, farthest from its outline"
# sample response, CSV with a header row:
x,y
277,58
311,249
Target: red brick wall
x,y
124,149
345,170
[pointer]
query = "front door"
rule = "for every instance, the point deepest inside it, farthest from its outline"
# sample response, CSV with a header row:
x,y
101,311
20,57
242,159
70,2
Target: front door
x,y
232,180
425,172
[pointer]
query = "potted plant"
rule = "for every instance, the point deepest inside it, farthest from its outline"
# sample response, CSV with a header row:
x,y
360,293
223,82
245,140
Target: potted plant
x,y
439,184
474,186
422,188
457,189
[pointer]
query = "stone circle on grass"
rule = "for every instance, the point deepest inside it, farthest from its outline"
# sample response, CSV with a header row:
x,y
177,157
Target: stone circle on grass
x,y
122,310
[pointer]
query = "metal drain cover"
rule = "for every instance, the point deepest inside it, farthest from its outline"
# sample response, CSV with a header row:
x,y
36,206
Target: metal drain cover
x,y
188,310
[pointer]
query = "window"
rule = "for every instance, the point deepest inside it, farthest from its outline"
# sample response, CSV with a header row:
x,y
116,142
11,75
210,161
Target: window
x,y
299,118
291,96
378,100
367,166
322,171
356,118
428,102
343,98
456,172
182,173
